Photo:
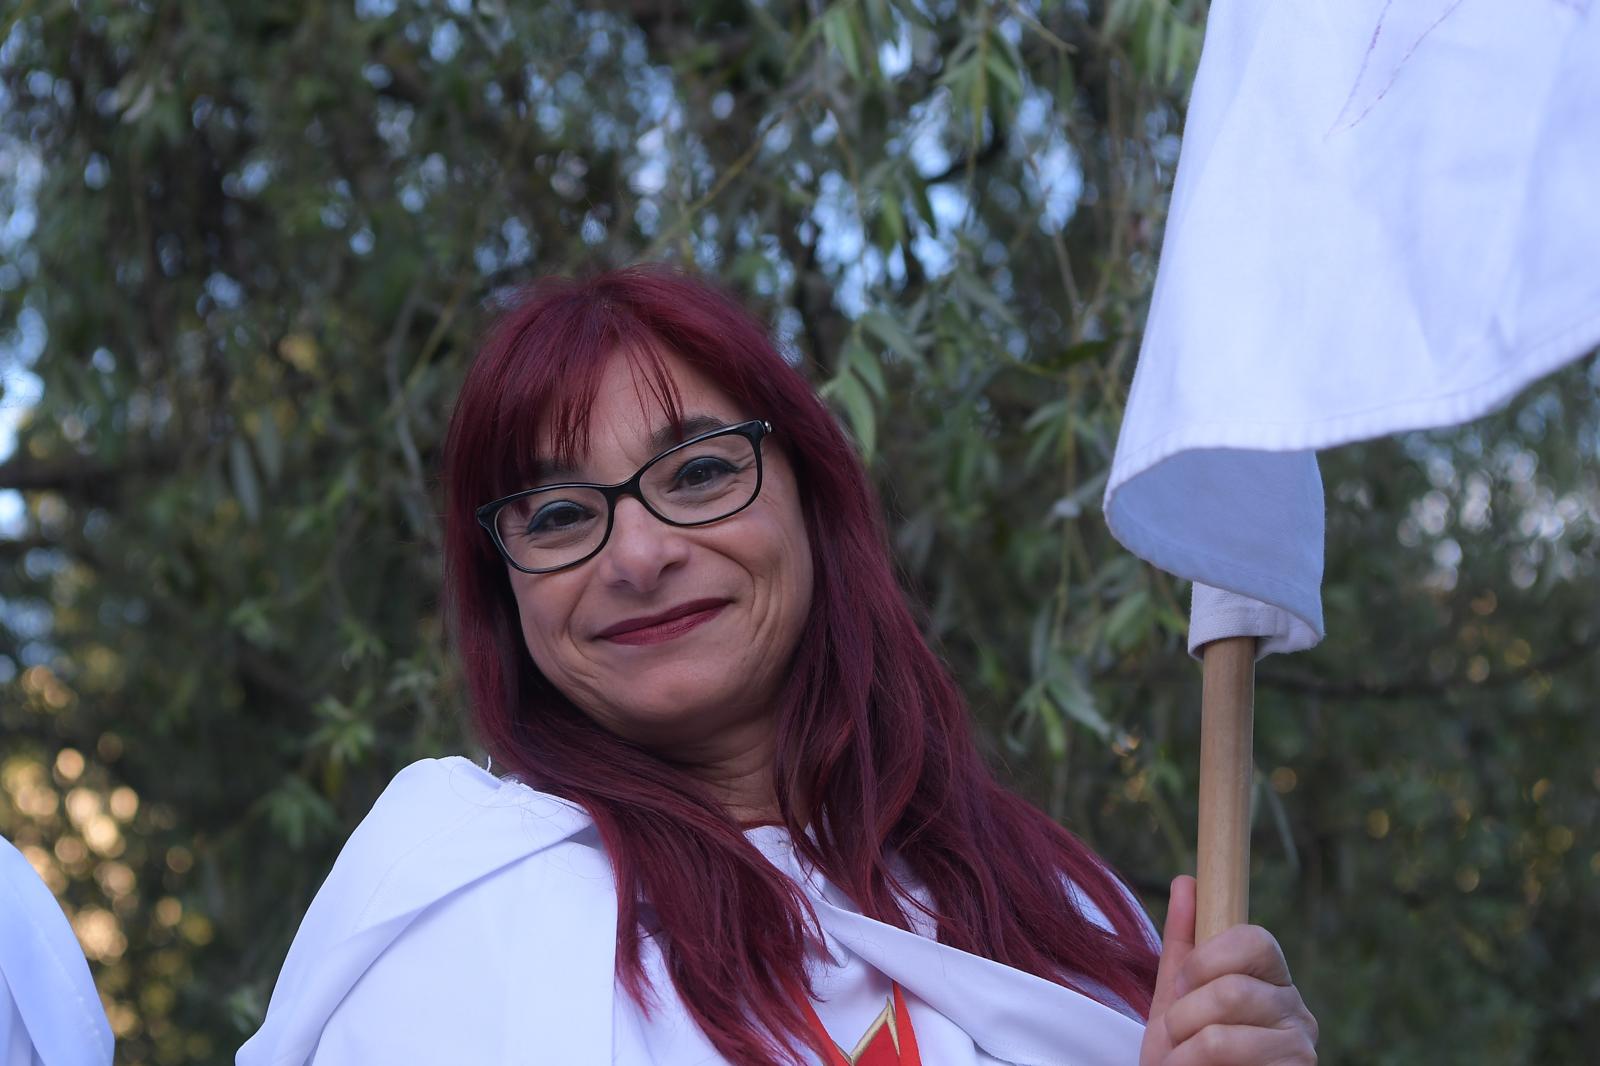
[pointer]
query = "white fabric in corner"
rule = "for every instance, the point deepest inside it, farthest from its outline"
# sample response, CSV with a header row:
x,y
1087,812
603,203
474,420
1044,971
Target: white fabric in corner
x,y
50,1014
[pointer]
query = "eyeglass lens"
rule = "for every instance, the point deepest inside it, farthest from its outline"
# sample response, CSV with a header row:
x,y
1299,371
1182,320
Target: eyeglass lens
x,y
702,482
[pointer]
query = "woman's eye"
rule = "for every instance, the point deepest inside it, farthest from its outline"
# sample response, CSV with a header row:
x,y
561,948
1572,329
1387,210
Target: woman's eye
x,y
555,517
702,472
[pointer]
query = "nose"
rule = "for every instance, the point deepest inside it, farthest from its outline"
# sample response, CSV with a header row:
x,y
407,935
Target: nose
x,y
642,548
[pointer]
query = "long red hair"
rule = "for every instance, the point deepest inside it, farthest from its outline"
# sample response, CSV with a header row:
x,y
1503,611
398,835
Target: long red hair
x,y
875,749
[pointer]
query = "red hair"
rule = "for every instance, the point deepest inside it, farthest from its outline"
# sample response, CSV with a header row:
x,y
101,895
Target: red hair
x,y
875,750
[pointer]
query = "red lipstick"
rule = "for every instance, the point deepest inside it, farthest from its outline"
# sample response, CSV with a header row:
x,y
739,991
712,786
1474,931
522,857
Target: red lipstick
x,y
665,625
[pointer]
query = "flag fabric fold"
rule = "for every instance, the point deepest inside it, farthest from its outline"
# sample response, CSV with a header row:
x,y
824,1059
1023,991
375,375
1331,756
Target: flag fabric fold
x,y
1385,218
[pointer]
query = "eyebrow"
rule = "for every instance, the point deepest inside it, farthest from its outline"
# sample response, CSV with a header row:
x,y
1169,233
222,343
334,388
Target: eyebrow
x,y
660,440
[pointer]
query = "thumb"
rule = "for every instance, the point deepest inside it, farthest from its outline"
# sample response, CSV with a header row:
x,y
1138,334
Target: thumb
x,y
1177,941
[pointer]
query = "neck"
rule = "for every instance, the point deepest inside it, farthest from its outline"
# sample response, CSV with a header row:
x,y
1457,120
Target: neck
x,y
737,767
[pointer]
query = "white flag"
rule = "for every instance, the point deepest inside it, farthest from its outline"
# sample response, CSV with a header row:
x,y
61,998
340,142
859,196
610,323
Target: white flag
x,y
1386,217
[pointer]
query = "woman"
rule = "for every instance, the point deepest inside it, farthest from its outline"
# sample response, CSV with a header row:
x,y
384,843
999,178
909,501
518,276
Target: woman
x,y
744,818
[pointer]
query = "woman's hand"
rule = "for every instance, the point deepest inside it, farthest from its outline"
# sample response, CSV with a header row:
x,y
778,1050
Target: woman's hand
x,y
1228,1002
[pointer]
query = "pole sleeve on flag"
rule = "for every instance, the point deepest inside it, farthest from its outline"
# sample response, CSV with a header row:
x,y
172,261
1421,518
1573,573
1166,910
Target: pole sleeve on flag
x,y
1215,614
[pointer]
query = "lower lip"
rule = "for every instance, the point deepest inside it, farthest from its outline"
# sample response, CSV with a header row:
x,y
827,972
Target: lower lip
x,y
665,631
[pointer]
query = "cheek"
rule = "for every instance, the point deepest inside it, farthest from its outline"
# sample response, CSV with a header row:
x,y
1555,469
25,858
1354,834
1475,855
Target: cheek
x,y
798,553
543,608
791,561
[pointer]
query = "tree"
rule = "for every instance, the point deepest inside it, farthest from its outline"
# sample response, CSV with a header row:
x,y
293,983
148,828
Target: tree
x,y
247,250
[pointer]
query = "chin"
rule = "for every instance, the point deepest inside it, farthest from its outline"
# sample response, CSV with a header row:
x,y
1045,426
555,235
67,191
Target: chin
x,y
661,708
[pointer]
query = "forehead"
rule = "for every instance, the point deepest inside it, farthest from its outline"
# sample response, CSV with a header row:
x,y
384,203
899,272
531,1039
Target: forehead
x,y
640,403
640,391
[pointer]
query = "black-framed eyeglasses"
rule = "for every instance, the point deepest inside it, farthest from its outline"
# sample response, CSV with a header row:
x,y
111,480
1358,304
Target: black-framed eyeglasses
x,y
705,479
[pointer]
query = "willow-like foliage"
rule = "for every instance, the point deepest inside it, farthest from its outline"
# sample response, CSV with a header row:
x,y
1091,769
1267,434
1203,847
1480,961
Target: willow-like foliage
x,y
246,248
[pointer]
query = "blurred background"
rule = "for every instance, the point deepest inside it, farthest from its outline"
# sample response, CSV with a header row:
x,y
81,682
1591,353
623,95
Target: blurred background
x,y
245,250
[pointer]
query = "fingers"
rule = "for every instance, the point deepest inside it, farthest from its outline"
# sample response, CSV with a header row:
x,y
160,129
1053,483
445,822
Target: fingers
x,y
1234,1000
1178,930
1243,949
1177,943
1229,1045
1228,1001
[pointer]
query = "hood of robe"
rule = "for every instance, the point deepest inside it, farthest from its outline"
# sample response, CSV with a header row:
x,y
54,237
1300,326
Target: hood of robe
x,y
444,828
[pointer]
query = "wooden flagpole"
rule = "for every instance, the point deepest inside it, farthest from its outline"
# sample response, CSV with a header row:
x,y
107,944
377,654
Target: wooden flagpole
x,y
1227,712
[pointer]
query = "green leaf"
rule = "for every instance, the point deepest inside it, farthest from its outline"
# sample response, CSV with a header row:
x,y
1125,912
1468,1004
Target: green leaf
x,y
880,17
839,31
1119,14
959,71
982,295
1172,621
1066,85
298,813
807,36
917,192
1072,504
1061,358
883,326
1129,621
978,102
1039,650
242,472
1005,74
864,363
269,446
1055,734
1046,413
1022,719
1177,51
253,620
1153,41
848,389
1068,692
1043,441
891,223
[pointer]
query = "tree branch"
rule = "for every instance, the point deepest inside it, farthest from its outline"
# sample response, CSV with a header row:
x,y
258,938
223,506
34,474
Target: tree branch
x,y
1413,688
76,472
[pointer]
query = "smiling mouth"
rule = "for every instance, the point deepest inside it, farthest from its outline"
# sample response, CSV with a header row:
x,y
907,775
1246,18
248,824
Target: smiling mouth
x,y
665,626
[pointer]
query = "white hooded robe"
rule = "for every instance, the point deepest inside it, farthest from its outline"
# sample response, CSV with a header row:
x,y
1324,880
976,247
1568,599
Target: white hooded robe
x,y
473,919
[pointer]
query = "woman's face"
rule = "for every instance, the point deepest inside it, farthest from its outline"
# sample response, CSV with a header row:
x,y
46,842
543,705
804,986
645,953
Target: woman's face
x,y
678,686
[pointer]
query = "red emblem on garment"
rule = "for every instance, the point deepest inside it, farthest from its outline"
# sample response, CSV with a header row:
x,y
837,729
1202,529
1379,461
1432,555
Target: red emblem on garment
x,y
888,1041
